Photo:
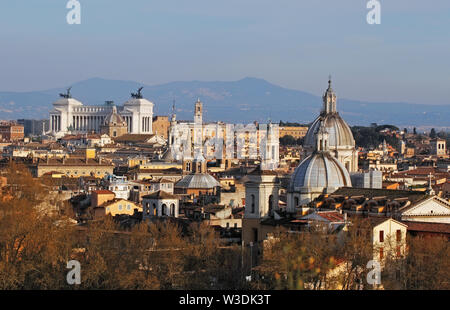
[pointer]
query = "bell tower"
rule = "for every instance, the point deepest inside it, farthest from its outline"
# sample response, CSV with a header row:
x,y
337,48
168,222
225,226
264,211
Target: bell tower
x,y
198,114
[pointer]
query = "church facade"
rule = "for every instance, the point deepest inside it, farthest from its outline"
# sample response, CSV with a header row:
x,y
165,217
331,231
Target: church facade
x,y
71,116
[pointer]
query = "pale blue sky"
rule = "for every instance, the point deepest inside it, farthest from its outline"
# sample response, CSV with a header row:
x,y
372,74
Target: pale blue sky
x,y
292,43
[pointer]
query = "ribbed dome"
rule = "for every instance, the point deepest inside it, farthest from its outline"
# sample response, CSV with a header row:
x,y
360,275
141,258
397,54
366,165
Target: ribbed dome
x,y
320,170
339,133
114,119
198,180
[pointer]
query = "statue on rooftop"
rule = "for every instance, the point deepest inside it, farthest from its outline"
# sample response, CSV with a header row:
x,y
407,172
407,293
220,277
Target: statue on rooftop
x,y
67,95
137,95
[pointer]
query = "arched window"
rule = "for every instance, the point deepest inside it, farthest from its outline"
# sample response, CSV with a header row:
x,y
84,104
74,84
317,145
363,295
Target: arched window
x,y
253,203
172,209
155,210
163,209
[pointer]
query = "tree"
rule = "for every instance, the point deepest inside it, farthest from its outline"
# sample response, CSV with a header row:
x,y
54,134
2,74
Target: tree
x,y
34,245
297,261
424,267
288,140
432,133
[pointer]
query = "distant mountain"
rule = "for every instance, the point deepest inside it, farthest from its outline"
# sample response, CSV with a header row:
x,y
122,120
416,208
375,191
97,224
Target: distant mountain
x,y
245,100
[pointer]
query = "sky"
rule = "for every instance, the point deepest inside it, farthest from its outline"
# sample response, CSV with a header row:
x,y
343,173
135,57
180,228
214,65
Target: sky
x,y
296,44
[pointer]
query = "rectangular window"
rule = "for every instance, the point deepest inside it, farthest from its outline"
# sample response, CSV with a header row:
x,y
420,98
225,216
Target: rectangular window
x,y
381,253
399,235
381,236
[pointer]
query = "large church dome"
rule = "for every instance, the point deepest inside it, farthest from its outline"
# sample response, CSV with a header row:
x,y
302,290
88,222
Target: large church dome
x,y
339,133
320,171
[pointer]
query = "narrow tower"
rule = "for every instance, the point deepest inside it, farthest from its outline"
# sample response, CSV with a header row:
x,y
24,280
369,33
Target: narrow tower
x,y
198,114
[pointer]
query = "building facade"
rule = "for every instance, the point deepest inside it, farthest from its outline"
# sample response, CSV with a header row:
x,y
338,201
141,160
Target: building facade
x,y
296,132
223,142
11,131
71,116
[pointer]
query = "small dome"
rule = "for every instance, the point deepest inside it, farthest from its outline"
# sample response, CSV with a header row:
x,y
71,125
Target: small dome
x,y
198,180
320,170
339,133
114,119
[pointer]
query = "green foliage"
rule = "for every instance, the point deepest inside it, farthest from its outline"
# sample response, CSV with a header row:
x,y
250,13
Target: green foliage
x,y
290,124
289,140
370,137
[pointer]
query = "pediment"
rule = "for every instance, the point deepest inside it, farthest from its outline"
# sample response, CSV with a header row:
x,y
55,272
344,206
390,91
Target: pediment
x,y
431,206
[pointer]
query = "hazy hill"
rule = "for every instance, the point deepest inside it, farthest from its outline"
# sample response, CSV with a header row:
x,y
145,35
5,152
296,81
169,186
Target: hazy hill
x,y
245,100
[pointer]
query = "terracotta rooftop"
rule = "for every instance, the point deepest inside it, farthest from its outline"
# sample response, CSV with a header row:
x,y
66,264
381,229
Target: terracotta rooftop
x,y
160,195
371,193
103,192
133,138
331,216
428,227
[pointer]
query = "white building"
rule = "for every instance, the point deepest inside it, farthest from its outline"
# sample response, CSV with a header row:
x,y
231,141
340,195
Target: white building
x,y
388,239
222,142
433,209
71,116
119,186
160,204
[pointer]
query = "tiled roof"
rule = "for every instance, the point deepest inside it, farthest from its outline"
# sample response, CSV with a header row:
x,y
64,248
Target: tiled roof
x,y
259,171
428,227
103,192
110,202
332,216
370,193
160,195
133,138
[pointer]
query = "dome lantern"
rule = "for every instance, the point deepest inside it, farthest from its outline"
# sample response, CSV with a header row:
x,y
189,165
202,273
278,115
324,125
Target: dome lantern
x,y
329,100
